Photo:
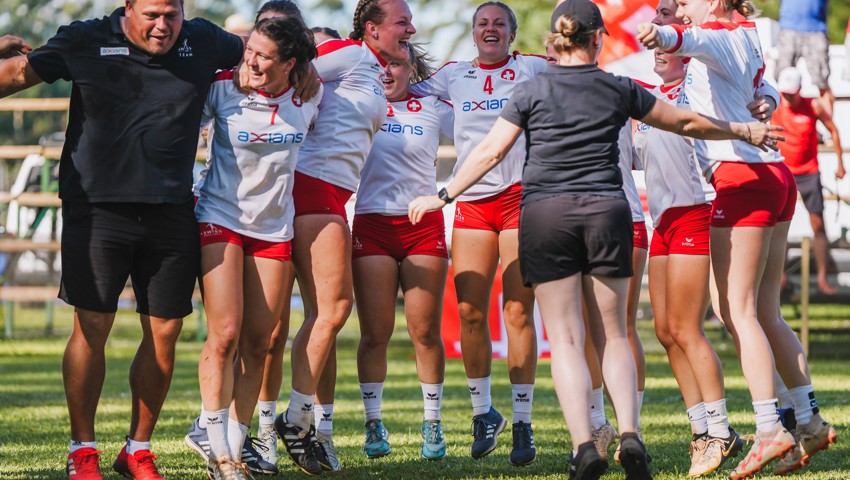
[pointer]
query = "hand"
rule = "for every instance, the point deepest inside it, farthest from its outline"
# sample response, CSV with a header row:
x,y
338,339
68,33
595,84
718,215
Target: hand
x,y
306,84
11,46
839,174
648,35
422,205
763,135
761,109
241,79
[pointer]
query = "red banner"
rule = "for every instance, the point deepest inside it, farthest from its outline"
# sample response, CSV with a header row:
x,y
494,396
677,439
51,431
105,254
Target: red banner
x,y
621,20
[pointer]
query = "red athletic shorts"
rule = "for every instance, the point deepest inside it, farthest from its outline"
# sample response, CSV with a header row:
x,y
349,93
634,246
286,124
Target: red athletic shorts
x,y
495,213
682,231
752,195
641,237
394,236
318,197
252,247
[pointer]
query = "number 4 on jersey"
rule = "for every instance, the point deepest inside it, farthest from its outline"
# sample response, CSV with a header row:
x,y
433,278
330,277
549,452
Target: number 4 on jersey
x,y
488,84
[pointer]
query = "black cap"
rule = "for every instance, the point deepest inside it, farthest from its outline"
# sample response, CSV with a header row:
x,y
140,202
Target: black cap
x,y
585,12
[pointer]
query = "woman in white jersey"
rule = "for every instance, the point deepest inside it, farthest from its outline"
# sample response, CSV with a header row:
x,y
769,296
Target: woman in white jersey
x,y
576,235
352,110
749,227
389,252
485,229
245,210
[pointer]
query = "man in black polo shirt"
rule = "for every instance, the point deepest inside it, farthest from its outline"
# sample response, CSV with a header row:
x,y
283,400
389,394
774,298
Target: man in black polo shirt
x,y
140,78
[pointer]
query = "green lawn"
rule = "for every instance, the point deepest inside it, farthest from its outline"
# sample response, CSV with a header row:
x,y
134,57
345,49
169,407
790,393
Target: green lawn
x,y
34,428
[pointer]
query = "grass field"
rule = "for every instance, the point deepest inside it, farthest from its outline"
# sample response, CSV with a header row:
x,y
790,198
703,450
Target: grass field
x,y
34,425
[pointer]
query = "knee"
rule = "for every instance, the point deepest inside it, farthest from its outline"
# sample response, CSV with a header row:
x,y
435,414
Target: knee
x,y
471,316
253,353
222,341
517,316
373,339
428,338
664,336
338,314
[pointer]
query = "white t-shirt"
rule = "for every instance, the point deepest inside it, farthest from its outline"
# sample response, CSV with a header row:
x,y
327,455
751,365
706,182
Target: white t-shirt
x,y
629,161
672,174
402,164
723,76
478,95
352,110
254,142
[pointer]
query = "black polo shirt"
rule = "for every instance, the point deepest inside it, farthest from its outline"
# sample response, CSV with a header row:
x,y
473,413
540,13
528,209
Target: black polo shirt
x,y
134,119
572,118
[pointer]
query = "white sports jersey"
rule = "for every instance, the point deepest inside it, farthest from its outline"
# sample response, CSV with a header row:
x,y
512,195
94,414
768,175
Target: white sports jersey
x,y
352,110
254,142
672,173
723,76
629,161
478,95
402,164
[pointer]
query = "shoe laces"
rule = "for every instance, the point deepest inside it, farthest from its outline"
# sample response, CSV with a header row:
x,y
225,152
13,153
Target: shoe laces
x,y
433,433
253,444
86,461
374,432
479,427
522,436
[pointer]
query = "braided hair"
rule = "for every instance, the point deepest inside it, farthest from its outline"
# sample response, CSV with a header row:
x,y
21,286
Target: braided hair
x,y
366,11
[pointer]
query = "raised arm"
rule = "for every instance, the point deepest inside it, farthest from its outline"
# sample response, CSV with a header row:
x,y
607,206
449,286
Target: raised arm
x,y
16,74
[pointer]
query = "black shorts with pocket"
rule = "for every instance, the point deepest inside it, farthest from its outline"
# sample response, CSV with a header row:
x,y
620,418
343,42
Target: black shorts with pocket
x,y
575,233
811,190
155,245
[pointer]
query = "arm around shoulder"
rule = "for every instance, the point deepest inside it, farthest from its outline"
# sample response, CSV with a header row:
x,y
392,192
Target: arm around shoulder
x,y
16,74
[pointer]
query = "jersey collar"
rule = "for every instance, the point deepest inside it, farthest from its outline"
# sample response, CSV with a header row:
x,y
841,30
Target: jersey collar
x,y
494,66
377,55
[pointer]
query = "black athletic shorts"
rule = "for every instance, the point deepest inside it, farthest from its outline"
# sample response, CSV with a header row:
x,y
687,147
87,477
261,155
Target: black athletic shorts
x,y
575,233
155,245
811,190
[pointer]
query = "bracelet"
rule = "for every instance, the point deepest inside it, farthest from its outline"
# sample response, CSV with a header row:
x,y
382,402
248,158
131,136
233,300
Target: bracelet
x,y
749,133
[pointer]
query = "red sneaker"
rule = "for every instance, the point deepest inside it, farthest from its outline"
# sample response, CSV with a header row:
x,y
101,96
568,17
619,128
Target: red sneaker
x,y
83,465
138,466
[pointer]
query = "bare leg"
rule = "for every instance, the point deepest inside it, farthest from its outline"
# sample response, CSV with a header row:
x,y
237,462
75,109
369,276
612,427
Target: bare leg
x,y
423,279
273,369
375,287
638,266
821,250
518,307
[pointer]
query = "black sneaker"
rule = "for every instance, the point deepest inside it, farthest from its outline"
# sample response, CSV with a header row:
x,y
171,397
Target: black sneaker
x,y
523,452
587,464
485,428
633,457
254,459
299,445
788,419
319,451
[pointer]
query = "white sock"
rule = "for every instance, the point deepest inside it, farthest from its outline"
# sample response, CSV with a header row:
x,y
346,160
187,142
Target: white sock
x,y
300,410
324,417
432,394
216,425
785,400
718,419
597,408
372,394
699,423
479,390
267,411
805,404
523,398
75,445
134,446
236,434
767,414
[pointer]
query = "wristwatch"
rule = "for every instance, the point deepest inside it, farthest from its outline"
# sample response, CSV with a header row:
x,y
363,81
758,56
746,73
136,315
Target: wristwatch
x,y
444,196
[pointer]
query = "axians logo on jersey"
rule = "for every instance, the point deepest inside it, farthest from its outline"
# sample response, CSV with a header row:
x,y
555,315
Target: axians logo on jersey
x,y
508,74
185,51
270,137
390,111
403,129
495,104
642,127
414,106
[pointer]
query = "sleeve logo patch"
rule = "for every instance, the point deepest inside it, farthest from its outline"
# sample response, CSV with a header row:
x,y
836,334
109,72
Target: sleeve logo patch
x,y
105,51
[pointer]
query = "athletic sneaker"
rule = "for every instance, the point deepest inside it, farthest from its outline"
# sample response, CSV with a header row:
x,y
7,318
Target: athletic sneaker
x,y
83,465
253,457
433,443
767,447
633,457
326,453
587,464
699,442
197,439
485,428
377,439
138,466
788,418
268,437
811,438
226,469
299,445
603,438
717,451
522,451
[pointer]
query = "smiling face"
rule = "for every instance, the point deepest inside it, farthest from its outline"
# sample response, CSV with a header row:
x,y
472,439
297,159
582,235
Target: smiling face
x,y
697,12
492,34
665,13
669,67
266,71
390,38
397,79
153,25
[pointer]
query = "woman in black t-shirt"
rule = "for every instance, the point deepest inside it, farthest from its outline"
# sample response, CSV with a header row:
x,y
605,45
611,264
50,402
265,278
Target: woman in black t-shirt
x,y
575,225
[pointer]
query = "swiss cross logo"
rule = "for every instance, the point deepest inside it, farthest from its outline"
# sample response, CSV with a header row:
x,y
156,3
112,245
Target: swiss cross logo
x,y
297,101
414,106
508,74
390,111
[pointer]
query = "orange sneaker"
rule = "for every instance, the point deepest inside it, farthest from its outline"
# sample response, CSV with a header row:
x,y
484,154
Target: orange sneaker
x,y
138,466
811,438
767,447
83,465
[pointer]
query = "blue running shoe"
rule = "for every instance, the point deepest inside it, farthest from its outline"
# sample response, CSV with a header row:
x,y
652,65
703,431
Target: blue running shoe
x,y
377,444
254,460
433,443
485,428
523,451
